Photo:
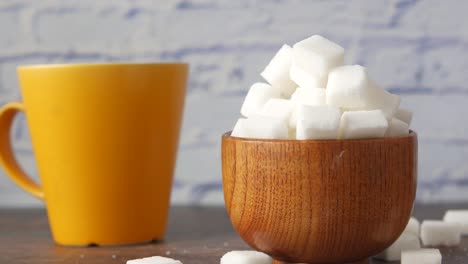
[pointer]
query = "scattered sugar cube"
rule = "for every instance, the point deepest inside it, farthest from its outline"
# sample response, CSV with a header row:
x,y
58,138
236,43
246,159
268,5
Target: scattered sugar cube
x,y
154,260
257,96
404,242
404,115
379,98
348,87
412,227
421,256
305,96
317,55
318,122
264,127
439,233
278,108
239,128
396,128
458,216
246,257
276,72
306,80
363,124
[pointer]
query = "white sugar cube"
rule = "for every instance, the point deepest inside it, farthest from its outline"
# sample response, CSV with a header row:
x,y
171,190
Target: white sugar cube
x,y
246,257
318,122
154,260
404,115
363,124
240,128
404,242
306,80
257,96
348,87
317,55
292,133
397,128
421,256
276,72
439,233
263,127
296,95
412,227
379,98
303,96
277,108
458,216
312,96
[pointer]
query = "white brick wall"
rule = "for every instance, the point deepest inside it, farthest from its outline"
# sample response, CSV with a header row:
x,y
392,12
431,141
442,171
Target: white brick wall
x,y
418,49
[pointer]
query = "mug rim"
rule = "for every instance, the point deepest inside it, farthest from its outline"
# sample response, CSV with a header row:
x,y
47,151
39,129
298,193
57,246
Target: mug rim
x,y
98,65
227,136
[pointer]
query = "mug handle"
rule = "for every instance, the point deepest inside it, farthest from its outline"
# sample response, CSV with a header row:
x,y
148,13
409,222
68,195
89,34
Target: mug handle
x,y
7,158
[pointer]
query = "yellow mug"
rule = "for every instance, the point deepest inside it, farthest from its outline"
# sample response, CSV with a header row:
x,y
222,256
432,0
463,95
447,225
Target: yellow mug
x,y
105,137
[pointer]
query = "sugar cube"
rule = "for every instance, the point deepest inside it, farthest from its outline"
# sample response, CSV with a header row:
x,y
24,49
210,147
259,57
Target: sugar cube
x,y
306,80
246,257
305,96
318,122
404,115
379,98
348,87
363,124
263,127
404,242
458,216
317,55
292,133
276,72
421,256
309,96
277,108
396,128
239,128
257,96
154,260
412,227
439,233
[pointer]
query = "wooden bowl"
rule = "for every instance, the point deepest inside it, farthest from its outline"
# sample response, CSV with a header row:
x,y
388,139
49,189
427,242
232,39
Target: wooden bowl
x,y
329,201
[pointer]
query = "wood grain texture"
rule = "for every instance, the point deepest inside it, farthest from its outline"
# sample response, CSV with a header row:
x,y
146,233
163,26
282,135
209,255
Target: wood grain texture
x,y
332,201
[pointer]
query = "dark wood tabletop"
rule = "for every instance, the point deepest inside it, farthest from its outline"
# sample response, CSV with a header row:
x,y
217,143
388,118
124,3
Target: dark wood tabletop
x,y
195,235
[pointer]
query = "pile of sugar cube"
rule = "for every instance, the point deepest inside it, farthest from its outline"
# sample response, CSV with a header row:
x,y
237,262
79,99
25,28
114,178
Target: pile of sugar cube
x,y
431,233
407,247
310,94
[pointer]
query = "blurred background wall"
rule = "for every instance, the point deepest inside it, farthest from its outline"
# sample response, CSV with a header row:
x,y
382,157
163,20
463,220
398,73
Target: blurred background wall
x,y
417,49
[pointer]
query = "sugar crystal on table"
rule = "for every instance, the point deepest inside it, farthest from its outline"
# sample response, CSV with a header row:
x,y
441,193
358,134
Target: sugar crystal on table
x,y
154,260
246,257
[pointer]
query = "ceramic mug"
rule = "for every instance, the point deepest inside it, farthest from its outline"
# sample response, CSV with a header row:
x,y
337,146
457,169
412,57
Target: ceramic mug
x,y
105,137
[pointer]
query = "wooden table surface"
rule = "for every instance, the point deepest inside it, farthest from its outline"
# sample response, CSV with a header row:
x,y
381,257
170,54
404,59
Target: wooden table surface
x,y
196,235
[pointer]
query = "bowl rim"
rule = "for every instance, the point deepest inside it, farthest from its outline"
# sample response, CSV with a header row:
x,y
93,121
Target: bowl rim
x,y
227,136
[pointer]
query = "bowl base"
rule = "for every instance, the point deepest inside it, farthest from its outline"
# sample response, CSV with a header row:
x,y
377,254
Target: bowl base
x,y
366,261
